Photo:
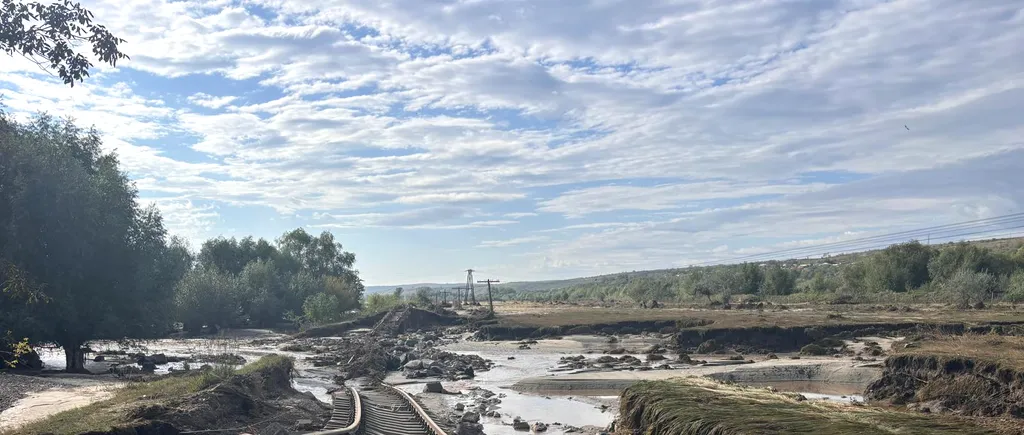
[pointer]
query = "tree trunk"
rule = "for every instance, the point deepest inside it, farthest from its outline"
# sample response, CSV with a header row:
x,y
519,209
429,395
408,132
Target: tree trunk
x,y
75,358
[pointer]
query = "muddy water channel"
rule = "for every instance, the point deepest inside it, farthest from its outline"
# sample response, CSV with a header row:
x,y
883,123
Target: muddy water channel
x,y
531,380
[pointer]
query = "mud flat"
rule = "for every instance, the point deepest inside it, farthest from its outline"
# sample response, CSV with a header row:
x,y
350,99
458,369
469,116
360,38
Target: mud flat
x,y
824,375
703,406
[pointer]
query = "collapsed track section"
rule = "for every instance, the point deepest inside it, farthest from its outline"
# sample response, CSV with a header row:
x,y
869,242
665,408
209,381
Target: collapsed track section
x,y
383,410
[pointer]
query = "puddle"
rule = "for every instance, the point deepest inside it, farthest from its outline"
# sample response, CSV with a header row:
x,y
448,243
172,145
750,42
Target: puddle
x,y
564,409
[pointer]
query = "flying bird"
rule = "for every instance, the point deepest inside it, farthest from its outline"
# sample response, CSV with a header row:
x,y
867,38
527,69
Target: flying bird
x,y
905,126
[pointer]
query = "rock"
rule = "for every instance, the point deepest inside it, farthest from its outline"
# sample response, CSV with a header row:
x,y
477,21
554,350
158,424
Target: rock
x,y
655,357
433,387
617,351
511,357
539,427
494,414
606,359
148,366
708,347
306,425
460,407
415,364
159,359
99,358
471,417
467,428
684,358
520,424
655,348
772,356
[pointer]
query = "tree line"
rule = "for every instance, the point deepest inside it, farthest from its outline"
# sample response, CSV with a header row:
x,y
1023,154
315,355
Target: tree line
x,y
964,274
81,259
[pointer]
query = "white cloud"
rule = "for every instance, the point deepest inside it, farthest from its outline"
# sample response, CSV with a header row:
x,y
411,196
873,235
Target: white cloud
x,y
677,118
210,101
511,242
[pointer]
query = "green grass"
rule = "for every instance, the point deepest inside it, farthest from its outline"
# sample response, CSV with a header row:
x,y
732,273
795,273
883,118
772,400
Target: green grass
x,y
700,406
116,412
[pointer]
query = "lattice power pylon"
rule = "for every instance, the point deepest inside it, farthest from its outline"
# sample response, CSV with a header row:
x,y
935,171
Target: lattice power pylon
x,y
469,286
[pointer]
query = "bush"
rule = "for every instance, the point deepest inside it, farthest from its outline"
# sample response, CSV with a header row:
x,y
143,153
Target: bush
x,y
1015,288
378,302
966,288
321,308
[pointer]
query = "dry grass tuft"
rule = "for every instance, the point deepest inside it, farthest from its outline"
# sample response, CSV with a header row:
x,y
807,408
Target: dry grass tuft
x,y
700,406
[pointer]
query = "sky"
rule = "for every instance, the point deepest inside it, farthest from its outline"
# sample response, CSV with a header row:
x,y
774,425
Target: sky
x,y
545,139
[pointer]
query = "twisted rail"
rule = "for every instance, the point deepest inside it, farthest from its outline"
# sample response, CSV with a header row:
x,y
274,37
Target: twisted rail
x,y
357,416
422,413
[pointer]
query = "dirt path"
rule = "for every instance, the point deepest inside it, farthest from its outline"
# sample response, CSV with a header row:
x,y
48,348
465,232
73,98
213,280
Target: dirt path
x,y
38,405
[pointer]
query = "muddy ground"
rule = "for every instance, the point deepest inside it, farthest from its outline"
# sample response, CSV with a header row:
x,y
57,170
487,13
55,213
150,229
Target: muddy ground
x,y
560,367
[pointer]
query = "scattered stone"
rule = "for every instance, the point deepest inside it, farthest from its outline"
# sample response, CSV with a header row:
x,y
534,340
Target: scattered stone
x,y
460,407
539,427
511,357
772,356
467,428
471,417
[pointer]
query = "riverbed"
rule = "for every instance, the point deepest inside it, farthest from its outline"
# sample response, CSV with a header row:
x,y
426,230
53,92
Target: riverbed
x,y
525,376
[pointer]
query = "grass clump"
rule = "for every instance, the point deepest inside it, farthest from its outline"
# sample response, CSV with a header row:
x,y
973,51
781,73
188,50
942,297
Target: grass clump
x,y
700,406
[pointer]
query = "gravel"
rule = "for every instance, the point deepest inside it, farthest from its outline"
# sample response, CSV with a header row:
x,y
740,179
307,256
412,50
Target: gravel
x,y
14,387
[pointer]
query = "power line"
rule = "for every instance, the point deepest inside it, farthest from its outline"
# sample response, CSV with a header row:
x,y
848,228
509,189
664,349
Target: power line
x,y
939,232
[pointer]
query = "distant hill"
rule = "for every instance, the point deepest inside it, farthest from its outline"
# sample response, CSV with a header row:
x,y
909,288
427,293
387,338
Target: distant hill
x,y
1004,244
997,245
407,287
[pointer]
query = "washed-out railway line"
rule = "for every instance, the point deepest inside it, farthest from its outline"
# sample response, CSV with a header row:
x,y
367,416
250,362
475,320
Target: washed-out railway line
x,y
383,410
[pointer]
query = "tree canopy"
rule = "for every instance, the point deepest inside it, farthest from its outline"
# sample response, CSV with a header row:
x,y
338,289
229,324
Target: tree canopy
x,y
49,35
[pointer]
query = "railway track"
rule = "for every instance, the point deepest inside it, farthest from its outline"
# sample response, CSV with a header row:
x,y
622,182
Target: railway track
x,y
384,410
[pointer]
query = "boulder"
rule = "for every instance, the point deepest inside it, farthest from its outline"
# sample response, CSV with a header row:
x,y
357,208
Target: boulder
x,y
148,366
433,387
99,358
520,424
618,351
467,428
655,357
159,359
460,407
471,417
415,364
539,427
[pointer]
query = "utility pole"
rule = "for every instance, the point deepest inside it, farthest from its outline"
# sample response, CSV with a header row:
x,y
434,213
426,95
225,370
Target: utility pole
x,y
490,301
469,285
457,300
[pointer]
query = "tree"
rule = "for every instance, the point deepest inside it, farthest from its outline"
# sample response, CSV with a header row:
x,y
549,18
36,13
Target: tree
x,y
423,296
398,292
346,292
262,292
378,302
49,34
71,223
321,308
778,281
965,256
206,297
751,278
899,268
